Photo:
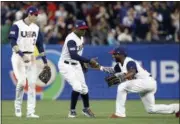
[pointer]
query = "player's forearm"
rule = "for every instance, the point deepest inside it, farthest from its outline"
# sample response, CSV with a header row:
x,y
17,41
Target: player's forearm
x,y
75,56
41,52
107,69
130,74
43,56
44,59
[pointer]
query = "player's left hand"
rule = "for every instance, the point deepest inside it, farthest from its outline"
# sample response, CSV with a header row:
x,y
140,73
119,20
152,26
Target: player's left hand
x,y
114,79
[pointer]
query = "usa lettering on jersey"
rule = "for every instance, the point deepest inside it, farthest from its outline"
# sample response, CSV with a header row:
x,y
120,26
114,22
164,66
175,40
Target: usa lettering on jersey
x,y
28,34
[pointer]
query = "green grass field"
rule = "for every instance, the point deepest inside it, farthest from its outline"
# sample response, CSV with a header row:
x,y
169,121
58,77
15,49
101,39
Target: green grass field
x,y
55,112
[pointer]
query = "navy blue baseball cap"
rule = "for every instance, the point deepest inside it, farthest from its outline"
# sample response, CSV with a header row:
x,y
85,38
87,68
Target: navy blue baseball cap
x,y
80,24
32,10
119,50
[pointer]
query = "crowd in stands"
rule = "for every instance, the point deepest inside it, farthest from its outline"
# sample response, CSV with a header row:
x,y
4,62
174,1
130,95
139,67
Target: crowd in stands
x,y
110,23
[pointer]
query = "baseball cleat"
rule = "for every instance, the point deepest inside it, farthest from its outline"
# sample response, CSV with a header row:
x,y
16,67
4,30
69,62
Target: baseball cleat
x,y
32,116
178,114
115,116
88,113
18,113
72,114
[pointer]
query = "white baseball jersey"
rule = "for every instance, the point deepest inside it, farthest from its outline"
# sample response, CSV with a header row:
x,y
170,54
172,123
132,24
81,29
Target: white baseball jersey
x,y
141,73
27,35
65,52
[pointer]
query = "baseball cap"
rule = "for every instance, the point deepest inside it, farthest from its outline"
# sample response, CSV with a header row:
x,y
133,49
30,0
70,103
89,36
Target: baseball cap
x,y
80,24
32,10
119,50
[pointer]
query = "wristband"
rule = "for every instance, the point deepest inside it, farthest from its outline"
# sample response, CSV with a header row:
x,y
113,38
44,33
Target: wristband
x,y
44,59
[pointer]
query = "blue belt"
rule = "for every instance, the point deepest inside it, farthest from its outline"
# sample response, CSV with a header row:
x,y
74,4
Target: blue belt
x,y
27,52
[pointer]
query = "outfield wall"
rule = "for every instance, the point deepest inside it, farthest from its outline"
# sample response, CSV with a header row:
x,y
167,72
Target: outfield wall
x,y
161,60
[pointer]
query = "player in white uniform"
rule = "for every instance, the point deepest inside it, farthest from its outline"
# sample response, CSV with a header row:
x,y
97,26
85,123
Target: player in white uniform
x,y
138,81
24,35
70,67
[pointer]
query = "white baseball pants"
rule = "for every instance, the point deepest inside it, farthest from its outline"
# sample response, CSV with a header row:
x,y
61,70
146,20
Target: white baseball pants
x,y
146,88
22,72
74,75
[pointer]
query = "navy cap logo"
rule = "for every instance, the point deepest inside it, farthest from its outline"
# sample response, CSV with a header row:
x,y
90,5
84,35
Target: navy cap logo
x,y
32,9
80,24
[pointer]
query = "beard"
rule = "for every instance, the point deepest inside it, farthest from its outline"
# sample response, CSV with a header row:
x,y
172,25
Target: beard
x,y
116,60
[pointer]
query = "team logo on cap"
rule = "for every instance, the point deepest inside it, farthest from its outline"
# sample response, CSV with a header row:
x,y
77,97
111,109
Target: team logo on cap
x,y
83,23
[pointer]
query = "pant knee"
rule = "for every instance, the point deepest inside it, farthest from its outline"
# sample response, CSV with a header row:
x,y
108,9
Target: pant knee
x,y
151,109
84,91
77,89
21,82
32,79
121,88
31,85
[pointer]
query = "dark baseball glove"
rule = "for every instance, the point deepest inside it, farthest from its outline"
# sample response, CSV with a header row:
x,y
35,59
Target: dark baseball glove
x,y
45,75
114,79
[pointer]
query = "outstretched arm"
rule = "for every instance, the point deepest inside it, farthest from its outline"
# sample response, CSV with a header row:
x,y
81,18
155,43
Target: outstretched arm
x,y
107,69
73,52
111,70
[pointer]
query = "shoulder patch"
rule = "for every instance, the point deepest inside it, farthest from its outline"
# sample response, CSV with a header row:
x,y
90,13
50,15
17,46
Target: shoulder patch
x,y
73,48
12,32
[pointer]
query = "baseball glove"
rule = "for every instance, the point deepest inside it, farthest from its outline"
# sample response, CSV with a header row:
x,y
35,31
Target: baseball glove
x,y
45,75
114,79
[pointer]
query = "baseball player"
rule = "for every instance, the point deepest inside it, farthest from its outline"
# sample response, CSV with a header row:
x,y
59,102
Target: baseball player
x,y
136,80
24,36
70,67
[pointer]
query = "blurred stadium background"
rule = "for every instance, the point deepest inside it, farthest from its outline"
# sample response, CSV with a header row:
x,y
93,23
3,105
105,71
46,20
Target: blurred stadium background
x,y
110,23
149,31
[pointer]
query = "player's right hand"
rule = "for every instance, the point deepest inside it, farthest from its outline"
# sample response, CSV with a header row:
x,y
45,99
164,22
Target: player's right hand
x,y
25,59
94,64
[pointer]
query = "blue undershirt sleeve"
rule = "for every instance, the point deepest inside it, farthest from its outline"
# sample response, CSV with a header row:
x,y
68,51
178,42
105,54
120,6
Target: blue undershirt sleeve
x,y
13,35
39,45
